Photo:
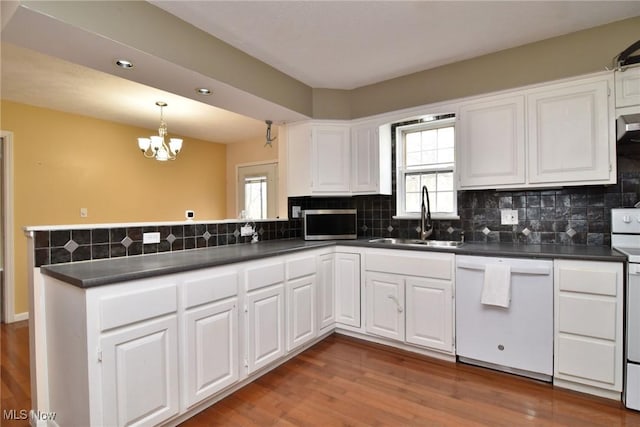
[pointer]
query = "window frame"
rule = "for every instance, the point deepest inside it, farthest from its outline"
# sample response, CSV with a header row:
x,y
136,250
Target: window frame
x,y
402,171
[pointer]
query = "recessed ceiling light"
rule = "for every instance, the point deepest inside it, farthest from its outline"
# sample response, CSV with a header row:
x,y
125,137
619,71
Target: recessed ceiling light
x,y
123,63
203,91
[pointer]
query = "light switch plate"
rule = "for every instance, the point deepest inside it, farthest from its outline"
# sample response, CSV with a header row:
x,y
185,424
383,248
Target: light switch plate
x,y
508,216
150,238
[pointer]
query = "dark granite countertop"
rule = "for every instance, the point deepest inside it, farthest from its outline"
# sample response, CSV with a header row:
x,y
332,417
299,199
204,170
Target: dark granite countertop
x,y
115,270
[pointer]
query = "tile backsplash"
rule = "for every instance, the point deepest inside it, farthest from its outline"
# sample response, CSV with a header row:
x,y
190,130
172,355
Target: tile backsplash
x,y
568,216
59,246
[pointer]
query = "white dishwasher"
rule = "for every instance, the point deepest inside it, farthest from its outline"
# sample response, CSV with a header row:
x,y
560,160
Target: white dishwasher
x,y
516,339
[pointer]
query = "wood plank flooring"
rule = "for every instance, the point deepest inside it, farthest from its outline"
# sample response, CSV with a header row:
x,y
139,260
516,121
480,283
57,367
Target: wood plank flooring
x,y
14,371
347,382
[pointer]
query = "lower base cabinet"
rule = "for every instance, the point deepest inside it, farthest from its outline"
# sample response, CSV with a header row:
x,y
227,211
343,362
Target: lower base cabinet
x,y
415,308
140,385
301,312
265,327
385,305
429,317
588,345
211,350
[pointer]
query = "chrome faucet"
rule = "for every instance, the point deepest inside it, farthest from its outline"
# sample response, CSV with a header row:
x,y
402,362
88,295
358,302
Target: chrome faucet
x,y
426,227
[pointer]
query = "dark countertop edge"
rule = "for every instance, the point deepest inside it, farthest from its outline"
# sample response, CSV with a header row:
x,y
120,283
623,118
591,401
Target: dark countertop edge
x,y
57,271
52,270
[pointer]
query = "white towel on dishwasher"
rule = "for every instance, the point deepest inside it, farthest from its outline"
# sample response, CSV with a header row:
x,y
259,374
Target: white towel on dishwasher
x,y
497,285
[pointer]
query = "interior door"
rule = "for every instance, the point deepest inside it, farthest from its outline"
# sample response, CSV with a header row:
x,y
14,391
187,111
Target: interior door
x,y
258,191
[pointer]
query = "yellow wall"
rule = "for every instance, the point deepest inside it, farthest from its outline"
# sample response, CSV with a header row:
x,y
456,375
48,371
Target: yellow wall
x,y
247,152
63,162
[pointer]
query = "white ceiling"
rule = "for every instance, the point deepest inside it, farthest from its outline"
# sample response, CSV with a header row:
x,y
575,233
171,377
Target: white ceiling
x,y
349,44
325,44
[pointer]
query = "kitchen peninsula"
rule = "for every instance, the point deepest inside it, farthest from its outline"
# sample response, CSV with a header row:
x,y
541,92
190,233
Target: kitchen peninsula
x,y
154,339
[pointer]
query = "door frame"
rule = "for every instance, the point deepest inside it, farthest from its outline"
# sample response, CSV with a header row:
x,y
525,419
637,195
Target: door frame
x,y
8,309
276,186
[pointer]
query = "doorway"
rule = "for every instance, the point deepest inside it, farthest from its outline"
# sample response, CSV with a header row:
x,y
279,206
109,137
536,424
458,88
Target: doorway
x,y
257,190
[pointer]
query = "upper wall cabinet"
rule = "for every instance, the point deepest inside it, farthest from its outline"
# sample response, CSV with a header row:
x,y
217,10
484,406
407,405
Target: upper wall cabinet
x,y
558,134
491,137
329,158
570,134
628,87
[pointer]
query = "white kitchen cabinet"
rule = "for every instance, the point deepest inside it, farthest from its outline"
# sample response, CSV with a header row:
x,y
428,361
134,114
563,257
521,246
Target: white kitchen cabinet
x,y
301,313
588,336
265,326
555,134
628,87
326,292
429,313
301,297
347,289
210,333
330,154
330,158
265,313
140,373
211,358
570,133
409,297
491,142
385,305
370,159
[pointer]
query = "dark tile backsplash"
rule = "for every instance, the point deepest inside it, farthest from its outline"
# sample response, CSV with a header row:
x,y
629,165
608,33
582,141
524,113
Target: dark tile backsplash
x,y
568,216
59,246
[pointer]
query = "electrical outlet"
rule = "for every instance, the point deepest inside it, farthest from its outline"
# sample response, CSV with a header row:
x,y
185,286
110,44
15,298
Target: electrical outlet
x,y
84,213
295,211
246,230
508,216
150,238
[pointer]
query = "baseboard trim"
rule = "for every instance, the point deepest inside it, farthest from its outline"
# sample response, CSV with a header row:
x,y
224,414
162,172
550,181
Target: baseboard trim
x,y
19,317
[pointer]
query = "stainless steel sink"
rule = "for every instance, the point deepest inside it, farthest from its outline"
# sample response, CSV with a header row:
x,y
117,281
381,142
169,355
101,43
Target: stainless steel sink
x,y
418,242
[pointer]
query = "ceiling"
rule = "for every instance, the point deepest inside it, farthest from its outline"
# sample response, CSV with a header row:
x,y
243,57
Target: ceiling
x,y
324,44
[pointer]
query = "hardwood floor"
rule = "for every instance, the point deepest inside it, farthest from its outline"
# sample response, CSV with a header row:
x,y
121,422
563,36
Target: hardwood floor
x,y
14,372
346,382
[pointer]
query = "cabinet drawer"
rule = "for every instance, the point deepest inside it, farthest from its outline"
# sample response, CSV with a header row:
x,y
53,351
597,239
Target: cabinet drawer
x,y
433,265
588,280
126,308
600,323
264,275
588,359
210,287
301,267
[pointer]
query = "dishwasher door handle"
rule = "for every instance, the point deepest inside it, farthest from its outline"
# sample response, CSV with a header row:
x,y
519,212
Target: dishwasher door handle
x,y
539,271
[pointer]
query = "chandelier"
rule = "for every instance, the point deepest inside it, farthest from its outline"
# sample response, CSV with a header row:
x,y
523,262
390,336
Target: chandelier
x,y
155,147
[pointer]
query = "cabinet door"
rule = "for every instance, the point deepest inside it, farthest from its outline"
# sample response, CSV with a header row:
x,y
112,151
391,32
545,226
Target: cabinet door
x,y
301,313
588,323
348,289
627,87
385,305
570,134
326,292
265,326
491,143
330,165
298,159
365,168
211,350
140,373
429,313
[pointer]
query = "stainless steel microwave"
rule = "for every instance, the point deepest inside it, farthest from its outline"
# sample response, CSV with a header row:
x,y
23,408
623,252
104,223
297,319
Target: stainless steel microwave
x,y
329,224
